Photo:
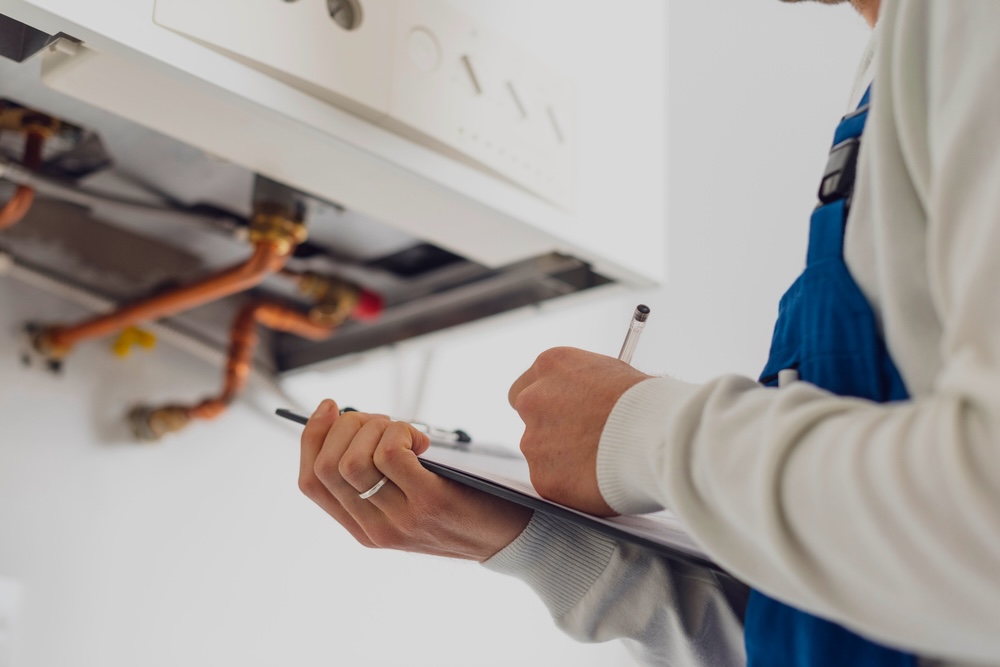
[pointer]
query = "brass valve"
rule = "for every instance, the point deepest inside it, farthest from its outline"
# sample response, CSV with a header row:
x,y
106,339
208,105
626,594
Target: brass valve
x,y
272,223
334,299
40,124
20,119
43,343
150,425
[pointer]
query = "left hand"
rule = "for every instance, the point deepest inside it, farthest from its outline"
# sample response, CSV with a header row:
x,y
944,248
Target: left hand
x,y
564,400
415,510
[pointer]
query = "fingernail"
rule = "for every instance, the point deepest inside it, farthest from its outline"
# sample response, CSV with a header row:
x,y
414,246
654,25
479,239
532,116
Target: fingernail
x,y
323,408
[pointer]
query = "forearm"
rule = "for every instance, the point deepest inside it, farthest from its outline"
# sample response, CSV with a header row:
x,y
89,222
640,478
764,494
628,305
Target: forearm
x,y
598,590
883,517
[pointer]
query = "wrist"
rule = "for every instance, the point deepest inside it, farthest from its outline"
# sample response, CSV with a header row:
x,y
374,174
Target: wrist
x,y
510,523
632,442
560,560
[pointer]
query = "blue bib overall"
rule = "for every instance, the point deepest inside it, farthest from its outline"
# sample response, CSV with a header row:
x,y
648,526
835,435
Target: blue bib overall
x,y
828,333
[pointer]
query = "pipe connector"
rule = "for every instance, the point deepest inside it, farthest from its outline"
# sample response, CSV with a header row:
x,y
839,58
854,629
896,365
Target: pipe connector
x,y
36,351
272,223
151,424
335,300
43,341
16,118
40,124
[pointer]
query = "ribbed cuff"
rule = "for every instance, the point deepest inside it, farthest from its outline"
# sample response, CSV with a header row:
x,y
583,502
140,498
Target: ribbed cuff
x,y
558,559
631,450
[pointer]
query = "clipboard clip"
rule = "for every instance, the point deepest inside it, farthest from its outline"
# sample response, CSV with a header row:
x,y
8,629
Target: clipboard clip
x,y
440,436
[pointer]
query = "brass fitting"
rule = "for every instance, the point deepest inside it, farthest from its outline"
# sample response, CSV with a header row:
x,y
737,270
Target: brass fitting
x,y
151,424
40,124
42,341
334,299
273,223
20,119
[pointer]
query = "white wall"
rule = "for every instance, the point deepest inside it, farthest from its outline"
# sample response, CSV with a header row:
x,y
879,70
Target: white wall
x,y
200,551
756,90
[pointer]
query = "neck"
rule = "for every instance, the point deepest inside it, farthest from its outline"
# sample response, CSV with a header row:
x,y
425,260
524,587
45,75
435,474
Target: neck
x,y
868,10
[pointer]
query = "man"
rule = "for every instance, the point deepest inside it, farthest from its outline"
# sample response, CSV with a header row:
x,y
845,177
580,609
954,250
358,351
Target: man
x,y
872,504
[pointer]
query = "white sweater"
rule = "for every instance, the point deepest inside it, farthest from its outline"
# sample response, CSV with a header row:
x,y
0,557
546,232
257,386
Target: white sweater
x,y
885,518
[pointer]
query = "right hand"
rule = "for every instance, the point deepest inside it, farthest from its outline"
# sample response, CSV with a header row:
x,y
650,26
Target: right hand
x,y
416,510
564,400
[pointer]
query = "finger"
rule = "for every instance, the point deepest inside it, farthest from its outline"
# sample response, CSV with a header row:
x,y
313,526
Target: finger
x,y
357,465
313,437
329,504
326,465
359,431
420,442
343,503
314,433
527,378
548,361
396,457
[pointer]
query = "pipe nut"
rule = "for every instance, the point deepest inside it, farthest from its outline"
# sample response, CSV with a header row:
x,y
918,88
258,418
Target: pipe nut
x,y
43,340
334,299
22,119
151,424
37,123
281,230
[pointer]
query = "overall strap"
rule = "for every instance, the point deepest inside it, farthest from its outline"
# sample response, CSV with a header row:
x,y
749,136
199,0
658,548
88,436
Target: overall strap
x,y
829,220
828,332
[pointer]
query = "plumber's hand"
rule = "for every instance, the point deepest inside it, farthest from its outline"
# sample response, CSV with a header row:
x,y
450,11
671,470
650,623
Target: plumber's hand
x,y
416,510
564,400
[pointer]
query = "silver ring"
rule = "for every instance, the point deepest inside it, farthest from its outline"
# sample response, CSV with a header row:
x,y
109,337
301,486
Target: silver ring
x,y
375,489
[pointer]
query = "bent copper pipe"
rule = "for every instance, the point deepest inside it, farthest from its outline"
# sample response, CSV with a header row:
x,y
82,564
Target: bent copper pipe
x,y
268,257
243,342
151,424
24,196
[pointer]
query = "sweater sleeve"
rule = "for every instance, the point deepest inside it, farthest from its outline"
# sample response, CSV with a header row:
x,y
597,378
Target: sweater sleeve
x,y
885,518
667,613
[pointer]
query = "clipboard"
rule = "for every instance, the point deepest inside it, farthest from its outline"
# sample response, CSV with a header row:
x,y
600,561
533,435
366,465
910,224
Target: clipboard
x,y
503,473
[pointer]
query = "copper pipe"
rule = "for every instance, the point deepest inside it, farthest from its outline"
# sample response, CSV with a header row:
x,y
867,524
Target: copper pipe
x,y
268,257
24,196
152,424
335,299
243,342
280,318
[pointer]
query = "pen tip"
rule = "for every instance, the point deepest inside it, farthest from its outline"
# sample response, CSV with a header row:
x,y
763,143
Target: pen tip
x,y
641,312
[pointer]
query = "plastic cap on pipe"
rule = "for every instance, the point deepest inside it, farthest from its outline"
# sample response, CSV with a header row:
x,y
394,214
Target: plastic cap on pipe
x,y
370,306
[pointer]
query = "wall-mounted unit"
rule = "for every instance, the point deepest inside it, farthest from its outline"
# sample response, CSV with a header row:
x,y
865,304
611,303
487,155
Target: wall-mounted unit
x,y
418,67
187,159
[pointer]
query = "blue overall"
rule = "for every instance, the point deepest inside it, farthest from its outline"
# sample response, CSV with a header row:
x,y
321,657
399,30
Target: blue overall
x,y
826,331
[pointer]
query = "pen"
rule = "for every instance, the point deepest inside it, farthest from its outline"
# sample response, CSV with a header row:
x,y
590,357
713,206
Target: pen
x,y
635,328
458,437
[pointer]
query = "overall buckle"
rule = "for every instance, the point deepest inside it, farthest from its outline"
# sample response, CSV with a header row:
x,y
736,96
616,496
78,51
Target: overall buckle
x,y
841,171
